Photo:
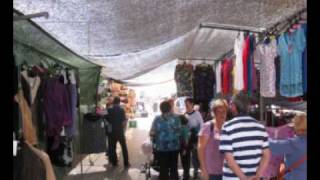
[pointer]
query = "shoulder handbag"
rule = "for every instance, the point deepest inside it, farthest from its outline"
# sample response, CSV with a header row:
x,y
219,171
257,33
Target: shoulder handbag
x,y
283,171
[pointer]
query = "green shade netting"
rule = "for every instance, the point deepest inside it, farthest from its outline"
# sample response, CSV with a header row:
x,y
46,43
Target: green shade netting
x,y
33,45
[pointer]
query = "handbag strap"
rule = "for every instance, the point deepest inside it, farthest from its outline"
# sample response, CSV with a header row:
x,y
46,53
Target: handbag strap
x,y
297,163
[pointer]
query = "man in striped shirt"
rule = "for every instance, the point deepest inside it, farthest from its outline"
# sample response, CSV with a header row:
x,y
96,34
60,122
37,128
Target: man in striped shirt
x,y
244,142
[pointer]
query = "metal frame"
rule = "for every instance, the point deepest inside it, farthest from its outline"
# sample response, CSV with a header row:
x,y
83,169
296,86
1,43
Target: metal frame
x,y
232,27
35,15
287,19
196,59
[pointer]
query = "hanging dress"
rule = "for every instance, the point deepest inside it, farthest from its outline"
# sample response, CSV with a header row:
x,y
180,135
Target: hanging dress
x,y
238,68
265,54
290,48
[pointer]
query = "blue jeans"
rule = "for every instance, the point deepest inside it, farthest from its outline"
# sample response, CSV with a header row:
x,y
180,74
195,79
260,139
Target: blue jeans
x,y
215,177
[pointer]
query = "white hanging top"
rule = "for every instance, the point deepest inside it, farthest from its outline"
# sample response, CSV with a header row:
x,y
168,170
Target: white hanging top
x,y
238,74
218,77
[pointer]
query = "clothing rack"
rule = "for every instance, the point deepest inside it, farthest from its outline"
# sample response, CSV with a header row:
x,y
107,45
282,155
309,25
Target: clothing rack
x,y
196,59
35,15
286,20
229,53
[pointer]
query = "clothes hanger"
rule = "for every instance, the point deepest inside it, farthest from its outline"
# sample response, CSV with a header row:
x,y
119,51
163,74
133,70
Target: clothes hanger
x,y
296,24
24,66
204,63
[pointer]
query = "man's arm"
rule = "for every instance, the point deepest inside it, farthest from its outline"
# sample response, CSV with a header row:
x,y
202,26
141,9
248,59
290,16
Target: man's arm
x,y
125,119
266,154
200,119
279,147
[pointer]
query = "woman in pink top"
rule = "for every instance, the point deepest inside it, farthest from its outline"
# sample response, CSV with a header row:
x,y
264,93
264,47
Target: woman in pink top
x,y
211,161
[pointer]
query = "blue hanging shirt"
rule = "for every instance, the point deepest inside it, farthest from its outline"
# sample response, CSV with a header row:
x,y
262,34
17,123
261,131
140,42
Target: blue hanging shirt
x,y
304,61
290,49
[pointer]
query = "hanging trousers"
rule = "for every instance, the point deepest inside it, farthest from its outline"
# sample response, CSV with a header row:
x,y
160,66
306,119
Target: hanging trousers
x,y
113,140
168,162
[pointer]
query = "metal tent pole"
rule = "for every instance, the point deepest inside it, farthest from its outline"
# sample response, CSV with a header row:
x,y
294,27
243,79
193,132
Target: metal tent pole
x,y
261,108
25,17
197,59
232,27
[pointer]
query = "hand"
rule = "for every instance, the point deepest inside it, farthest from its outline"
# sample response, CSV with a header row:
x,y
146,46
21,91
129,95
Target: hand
x,y
253,178
247,177
204,174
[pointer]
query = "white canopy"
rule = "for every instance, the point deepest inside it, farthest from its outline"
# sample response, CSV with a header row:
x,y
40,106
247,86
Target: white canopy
x,y
131,37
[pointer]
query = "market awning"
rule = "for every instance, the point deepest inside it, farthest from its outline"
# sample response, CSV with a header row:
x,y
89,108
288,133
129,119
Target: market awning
x,y
131,37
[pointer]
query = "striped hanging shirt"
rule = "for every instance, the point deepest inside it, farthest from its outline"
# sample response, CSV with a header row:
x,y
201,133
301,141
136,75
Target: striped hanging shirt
x,y
245,138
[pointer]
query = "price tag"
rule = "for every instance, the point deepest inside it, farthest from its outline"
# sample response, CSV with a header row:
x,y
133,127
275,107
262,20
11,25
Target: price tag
x,y
15,147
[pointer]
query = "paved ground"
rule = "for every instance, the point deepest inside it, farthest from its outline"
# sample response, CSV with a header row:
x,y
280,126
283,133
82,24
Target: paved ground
x,y
95,166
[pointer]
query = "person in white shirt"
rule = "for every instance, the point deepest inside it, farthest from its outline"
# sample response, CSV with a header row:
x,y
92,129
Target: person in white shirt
x,y
195,122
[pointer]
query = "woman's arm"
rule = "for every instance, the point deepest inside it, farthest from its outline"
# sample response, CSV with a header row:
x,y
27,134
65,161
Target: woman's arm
x,y
203,141
280,147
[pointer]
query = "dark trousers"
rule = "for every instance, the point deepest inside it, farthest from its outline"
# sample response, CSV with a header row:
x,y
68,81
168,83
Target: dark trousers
x,y
215,177
168,162
113,140
195,161
185,161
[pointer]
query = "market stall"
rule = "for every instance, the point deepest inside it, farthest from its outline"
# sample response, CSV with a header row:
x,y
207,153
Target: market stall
x,y
205,48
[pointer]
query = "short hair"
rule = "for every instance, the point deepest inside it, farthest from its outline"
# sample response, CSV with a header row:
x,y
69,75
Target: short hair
x,y
165,107
241,101
116,100
217,103
300,122
190,100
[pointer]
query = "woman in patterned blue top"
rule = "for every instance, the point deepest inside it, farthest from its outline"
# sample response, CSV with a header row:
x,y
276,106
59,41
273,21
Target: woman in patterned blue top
x,y
165,131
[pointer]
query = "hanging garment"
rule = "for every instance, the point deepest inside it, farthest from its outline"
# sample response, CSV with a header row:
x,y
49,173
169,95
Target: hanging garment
x,y
62,155
46,161
16,117
290,48
56,107
29,132
26,89
73,95
265,54
282,132
33,84
238,68
218,77
252,79
93,137
245,59
203,83
278,72
27,165
37,114
304,62
72,92
183,76
226,69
